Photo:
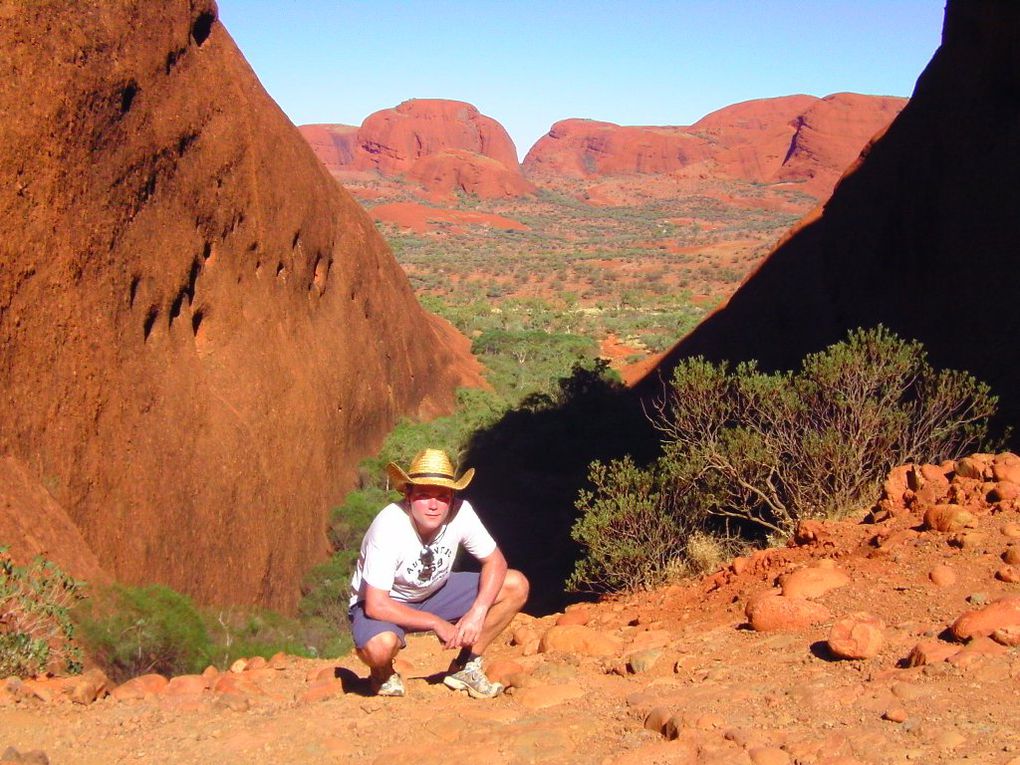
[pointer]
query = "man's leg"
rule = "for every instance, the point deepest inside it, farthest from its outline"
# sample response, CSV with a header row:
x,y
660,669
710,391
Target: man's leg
x,y
379,653
377,644
510,600
467,672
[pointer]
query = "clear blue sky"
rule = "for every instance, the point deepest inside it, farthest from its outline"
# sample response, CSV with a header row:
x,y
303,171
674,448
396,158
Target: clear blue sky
x,y
530,63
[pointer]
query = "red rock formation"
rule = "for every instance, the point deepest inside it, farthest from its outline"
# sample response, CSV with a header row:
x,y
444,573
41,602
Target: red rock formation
x,y
334,145
920,235
577,148
201,332
458,170
35,524
794,138
446,145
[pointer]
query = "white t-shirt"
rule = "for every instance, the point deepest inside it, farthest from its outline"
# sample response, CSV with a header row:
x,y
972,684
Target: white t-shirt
x,y
391,552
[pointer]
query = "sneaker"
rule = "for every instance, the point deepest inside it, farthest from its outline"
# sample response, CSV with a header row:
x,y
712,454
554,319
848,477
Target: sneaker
x,y
473,680
391,686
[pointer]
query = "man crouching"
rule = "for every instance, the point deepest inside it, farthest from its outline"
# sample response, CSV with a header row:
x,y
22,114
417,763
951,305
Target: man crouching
x,y
403,582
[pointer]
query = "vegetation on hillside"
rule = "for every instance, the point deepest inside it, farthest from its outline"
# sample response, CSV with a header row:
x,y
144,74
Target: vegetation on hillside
x,y
36,631
749,454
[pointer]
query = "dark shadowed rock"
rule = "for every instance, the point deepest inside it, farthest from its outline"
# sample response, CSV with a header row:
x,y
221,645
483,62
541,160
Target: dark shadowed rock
x,y
918,236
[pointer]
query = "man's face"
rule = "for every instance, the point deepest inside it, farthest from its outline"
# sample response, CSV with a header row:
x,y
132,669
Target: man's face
x,y
430,506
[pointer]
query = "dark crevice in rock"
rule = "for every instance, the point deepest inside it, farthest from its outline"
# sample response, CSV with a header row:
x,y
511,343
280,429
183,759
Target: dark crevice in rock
x,y
201,29
127,96
150,321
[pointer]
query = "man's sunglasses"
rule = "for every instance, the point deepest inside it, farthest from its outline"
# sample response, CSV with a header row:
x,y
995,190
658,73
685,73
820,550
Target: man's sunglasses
x,y
428,564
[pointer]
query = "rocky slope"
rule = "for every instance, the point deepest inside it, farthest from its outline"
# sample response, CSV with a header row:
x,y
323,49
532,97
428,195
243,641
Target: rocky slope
x,y
886,639
446,146
201,332
920,235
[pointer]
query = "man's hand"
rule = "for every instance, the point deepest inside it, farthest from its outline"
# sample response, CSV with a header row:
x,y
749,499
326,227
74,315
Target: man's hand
x,y
469,628
447,634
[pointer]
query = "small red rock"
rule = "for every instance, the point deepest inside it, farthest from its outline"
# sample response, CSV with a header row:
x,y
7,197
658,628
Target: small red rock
x,y
1009,574
778,613
858,636
896,715
1003,491
948,518
929,483
140,687
973,466
1003,613
579,616
578,639
1006,467
1007,636
185,685
320,691
499,669
813,582
942,576
930,652
656,719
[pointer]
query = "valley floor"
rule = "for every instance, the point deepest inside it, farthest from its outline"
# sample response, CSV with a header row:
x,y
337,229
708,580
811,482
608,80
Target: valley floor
x,y
672,676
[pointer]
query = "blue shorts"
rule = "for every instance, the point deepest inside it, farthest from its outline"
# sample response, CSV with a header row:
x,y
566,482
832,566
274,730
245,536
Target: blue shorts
x,y
449,603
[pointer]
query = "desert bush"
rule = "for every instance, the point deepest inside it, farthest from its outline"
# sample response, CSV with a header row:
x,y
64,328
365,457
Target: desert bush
x,y
771,449
36,631
631,537
133,631
241,633
752,453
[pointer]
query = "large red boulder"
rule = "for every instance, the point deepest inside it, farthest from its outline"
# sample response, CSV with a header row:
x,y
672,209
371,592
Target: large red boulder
x,y
201,332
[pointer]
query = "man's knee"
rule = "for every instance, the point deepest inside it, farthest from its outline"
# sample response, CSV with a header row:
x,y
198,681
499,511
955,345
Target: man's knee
x,y
380,649
515,587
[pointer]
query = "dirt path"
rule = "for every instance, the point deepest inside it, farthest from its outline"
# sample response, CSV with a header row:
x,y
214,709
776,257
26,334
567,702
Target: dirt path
x,y
703,686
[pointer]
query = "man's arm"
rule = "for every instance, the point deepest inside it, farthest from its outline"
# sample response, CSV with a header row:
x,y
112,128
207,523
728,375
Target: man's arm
x,y
379,605
469,627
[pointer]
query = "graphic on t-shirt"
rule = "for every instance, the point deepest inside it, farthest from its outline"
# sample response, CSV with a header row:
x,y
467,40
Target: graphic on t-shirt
x,y
429,565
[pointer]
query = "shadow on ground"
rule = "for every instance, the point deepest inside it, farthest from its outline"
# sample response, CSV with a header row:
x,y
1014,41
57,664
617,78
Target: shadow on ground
x,y
532,463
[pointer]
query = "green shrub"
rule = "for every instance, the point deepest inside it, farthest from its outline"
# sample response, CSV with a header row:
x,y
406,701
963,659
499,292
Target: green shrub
x,y
750,453
631,538
771,449
36,631
243,634
137,630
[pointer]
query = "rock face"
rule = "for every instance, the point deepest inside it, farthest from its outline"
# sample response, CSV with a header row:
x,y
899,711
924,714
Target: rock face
x,y
201,332
445,145
919,236
794,138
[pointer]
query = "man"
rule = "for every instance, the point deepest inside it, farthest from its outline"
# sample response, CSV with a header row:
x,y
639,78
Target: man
x,y
403,582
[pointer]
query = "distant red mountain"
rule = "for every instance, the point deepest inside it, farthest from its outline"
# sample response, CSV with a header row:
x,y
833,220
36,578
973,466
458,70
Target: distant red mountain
x,y
794,138
444,145
448,146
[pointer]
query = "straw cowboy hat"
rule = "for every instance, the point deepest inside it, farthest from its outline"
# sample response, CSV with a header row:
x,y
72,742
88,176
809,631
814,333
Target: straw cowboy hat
x,y
430,467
